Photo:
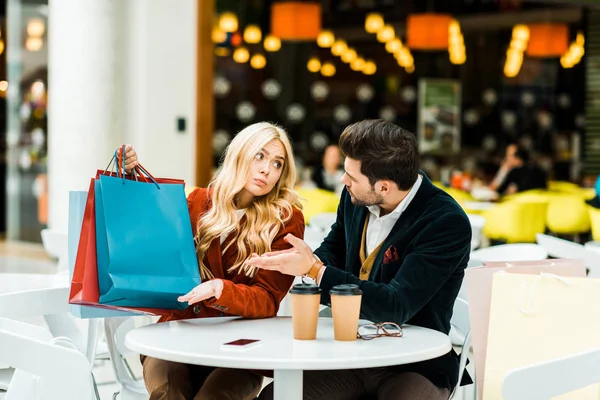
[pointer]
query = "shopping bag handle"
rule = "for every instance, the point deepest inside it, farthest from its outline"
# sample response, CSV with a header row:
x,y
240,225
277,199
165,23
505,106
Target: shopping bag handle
x,y
139,170
532,308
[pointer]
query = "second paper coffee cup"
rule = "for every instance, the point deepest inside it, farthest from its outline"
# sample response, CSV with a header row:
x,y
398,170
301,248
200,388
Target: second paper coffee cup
x,y
305,310
345,308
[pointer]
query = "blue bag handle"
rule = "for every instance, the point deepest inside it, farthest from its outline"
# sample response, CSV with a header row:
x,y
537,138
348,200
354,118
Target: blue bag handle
x,y
120,167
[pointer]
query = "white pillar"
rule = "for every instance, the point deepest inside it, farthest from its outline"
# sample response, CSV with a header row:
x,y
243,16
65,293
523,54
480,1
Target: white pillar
x,y
160,84
85,96
14,68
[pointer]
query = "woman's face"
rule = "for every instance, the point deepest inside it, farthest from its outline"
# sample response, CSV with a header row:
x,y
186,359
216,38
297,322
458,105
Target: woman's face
x,y
265,171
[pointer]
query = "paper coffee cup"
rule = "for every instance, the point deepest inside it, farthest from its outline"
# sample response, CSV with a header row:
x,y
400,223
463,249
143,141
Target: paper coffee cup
x,y
345,308
305,310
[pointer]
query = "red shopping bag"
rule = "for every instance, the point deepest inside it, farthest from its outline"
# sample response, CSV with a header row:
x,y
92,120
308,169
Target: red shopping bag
x,y
84,284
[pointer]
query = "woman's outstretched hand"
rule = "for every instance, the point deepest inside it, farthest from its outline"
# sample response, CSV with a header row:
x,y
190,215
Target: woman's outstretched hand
x,y
203,291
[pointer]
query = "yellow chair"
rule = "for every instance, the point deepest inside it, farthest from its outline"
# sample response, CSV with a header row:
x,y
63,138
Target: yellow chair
x,y
458,195
563,186
586,193
568,215
534,195
594,214
516,221
317,201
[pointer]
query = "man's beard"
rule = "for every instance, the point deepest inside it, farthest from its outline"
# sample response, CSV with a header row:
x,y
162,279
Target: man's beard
x,y
369,199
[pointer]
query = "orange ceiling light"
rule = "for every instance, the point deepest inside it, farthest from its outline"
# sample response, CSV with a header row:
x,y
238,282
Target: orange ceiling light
x,y
548,40
427,31
296,20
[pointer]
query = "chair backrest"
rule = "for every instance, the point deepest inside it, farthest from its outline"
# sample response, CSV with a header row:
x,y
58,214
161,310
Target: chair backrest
x,y
46,367
460,320
460,316
551,378
35,302
592,260
314,237
317,201
517,220
560,248
55,244
567,214
594,214
477,224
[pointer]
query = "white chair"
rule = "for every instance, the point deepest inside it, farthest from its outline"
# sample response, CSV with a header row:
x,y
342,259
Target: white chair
x,y
130,388
323,221
56,245
546,380
461,327
510,252
48,299
47,368
592,259
6,374
285,306
560,248
314,237
477,224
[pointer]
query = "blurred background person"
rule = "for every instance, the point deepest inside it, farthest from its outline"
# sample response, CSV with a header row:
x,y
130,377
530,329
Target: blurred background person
x,y
505,166
524,174
327,175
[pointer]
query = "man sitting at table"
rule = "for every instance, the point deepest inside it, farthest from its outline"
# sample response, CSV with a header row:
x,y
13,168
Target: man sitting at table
x,y
404,242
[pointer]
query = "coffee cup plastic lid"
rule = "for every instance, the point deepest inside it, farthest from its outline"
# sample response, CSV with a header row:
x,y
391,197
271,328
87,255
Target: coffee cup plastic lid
x,y
305,288
345,290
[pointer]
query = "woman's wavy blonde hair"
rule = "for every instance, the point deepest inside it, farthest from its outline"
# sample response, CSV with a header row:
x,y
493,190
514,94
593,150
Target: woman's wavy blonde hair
x,y
265,216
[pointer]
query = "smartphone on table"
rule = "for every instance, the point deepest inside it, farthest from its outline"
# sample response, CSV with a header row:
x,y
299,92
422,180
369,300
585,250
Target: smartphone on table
x,y
241,344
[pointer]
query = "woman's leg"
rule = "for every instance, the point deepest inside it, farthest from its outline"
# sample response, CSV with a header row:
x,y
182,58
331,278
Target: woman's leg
x,y
230,384
167,380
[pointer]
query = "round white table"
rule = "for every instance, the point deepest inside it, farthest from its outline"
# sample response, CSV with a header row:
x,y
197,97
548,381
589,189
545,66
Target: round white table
x,y
510,252
199,341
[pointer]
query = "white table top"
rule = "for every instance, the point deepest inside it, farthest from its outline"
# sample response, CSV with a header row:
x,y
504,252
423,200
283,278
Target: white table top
x,y
510,252
594,245
199,342
11,283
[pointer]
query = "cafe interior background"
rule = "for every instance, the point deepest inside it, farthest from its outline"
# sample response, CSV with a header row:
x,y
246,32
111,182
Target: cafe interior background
x,y
497,71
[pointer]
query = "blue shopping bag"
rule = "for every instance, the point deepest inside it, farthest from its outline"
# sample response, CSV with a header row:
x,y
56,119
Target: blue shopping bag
x,y
145,247
77,200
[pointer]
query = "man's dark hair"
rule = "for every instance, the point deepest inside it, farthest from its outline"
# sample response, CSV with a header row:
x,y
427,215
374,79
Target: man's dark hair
x,y
385,151
522,155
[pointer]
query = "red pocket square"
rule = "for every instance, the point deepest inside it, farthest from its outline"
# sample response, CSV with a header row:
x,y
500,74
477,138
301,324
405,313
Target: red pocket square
x,y
391,255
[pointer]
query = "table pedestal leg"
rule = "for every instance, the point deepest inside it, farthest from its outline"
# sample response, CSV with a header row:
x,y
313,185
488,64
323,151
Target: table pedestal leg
x,y
287,385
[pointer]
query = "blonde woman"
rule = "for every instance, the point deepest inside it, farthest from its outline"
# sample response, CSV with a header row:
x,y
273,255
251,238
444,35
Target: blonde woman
x,y
249,207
